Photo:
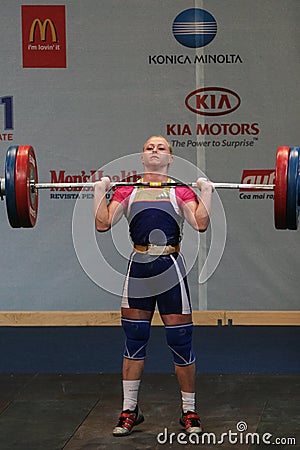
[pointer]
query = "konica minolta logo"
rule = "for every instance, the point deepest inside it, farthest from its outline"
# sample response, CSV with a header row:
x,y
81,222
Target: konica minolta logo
x,y
194,28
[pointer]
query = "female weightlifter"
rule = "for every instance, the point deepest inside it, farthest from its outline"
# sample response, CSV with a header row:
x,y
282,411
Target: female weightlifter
x,y
156,274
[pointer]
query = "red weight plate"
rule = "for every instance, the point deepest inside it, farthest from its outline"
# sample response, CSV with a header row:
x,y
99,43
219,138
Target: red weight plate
x,y
25,174
280,190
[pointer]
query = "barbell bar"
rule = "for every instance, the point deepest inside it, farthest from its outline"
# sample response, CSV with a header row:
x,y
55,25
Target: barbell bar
x,y
89,185
20,187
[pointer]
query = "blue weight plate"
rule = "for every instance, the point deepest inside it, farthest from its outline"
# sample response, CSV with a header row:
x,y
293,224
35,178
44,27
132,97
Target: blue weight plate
x,y
10,194
299,187
292,207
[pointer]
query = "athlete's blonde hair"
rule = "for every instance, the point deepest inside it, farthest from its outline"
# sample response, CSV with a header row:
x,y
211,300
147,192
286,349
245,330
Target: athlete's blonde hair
x,y
160,137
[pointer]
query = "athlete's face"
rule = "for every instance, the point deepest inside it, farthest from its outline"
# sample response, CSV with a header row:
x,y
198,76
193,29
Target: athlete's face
x,y
156,153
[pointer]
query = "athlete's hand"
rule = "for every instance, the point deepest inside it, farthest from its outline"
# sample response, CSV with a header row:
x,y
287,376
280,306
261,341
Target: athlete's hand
x,y
205,185
103,185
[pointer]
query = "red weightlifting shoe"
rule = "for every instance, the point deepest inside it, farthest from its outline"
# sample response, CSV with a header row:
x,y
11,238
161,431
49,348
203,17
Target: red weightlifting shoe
x,y
191,422
127,420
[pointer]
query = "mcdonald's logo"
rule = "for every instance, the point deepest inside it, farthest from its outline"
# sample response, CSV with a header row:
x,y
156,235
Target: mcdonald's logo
x,y
43,30
44,36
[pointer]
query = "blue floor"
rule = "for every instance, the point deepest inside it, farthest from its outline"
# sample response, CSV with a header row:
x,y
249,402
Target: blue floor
x,y
219,349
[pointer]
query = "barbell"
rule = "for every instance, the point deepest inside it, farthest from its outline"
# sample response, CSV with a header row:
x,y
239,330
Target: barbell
x,y
20,187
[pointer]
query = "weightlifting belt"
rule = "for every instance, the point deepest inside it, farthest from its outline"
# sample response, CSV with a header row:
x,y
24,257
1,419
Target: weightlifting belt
x,y
157,250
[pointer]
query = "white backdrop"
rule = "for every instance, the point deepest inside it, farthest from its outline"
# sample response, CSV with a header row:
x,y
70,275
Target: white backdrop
x,y
127,77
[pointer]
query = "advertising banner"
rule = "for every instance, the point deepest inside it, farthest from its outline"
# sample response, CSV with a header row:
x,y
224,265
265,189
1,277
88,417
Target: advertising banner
x,y
87,82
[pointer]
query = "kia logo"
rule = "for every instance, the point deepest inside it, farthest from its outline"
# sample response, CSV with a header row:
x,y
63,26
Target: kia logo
x,y
212,101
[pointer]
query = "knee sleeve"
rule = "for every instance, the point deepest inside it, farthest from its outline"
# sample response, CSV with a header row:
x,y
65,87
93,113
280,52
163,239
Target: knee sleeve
x,y
179,339
137,335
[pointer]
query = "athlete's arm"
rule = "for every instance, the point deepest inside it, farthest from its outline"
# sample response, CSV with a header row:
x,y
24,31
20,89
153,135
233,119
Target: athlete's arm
x,y
197,213
105,215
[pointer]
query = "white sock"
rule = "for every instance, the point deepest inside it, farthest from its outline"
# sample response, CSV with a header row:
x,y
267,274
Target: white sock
x,y
130,394
188,401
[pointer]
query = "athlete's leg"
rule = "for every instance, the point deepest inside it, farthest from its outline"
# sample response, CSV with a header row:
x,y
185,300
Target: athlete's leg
x,y
133,368
179,337
136,325
137,310
185,373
